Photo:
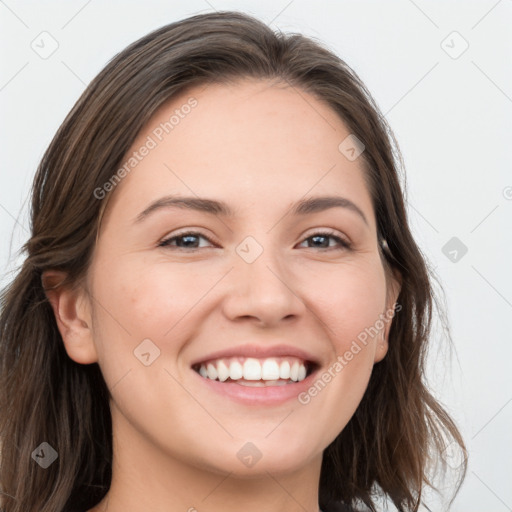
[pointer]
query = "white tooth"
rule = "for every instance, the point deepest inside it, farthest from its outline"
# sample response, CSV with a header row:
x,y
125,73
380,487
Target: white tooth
x,y
252,369
284,370
212,371
294,372
235,370
223,371
270,370
302,372
203,372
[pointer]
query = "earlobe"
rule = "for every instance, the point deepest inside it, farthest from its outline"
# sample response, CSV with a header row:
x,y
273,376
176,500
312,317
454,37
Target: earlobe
x,y
393,291
72,309
382,347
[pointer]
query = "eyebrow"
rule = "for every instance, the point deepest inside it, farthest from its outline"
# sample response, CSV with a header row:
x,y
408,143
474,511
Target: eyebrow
x,y
219,208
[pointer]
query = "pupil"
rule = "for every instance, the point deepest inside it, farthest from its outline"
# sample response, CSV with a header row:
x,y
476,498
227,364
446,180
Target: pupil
x,y
189,240
186,240
316,237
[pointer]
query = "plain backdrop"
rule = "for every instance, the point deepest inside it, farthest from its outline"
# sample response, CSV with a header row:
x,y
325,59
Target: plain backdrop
x,y
440,71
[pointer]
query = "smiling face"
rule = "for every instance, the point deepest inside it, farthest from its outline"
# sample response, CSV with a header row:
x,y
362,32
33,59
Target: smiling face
x,y
213,320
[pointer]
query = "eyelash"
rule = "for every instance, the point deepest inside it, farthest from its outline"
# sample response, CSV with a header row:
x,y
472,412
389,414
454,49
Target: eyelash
x,y
345,245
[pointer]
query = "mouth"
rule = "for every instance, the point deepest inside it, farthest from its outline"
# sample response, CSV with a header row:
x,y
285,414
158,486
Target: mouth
x,y
256,372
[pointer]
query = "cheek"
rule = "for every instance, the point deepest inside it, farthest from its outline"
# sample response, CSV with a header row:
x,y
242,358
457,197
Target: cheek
x,y
135,301
349,304
348,298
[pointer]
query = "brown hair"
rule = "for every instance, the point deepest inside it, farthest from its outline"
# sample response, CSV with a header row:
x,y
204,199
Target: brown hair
x,y
398,430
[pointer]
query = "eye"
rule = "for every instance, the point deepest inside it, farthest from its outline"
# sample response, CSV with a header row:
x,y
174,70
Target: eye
x,y
322,238
184,240
190,240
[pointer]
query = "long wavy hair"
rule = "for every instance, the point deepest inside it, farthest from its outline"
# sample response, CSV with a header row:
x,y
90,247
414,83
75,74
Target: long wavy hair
x,y
398,432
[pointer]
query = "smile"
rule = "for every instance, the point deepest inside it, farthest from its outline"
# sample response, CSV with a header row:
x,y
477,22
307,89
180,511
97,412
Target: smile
x,y
255,372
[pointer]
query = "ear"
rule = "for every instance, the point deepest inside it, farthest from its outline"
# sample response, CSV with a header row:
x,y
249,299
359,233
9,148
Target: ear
x,y
72,309
393,287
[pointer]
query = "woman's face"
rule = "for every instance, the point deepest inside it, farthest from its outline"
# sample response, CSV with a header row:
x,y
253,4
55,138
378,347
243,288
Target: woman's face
x,y
254,292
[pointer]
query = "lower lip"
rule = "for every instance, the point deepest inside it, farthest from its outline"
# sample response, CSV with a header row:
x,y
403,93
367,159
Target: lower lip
x,y
268,395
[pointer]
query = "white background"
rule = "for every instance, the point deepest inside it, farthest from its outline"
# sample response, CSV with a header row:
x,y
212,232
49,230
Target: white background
x,y
453,121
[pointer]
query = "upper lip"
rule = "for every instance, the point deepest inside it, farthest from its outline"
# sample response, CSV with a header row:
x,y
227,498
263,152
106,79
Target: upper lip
x,y
259,352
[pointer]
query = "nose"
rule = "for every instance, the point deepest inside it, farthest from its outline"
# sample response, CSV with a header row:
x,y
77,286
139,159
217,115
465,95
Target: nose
x,y
264,291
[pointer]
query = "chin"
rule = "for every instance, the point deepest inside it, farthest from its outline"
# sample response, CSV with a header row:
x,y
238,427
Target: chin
x,y
250,459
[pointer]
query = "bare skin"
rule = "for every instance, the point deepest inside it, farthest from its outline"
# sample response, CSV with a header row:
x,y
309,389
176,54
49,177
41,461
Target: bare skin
x,y
260,148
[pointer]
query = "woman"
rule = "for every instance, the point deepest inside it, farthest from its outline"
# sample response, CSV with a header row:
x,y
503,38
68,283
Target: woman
x,y
222,305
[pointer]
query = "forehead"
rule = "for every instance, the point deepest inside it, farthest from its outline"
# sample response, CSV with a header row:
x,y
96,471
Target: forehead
x,y
249,143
